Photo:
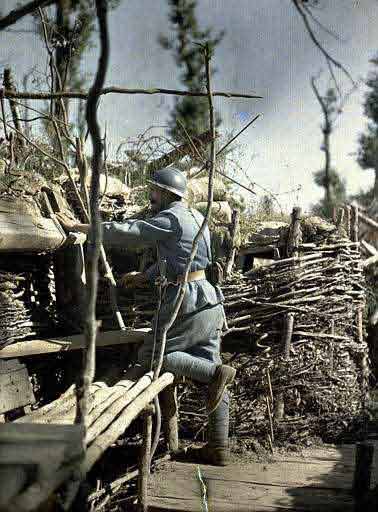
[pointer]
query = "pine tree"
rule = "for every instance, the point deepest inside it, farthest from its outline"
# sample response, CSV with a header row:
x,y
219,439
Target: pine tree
x,y
368,150
192,111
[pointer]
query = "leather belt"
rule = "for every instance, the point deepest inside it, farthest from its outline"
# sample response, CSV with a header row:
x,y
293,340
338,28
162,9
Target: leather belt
x,y
192,276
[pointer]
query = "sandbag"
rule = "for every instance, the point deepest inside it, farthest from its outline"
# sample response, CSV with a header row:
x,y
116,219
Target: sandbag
x,y
220,212
198,190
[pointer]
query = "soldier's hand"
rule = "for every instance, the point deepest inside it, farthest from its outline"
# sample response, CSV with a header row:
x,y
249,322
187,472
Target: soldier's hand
x,y
133,280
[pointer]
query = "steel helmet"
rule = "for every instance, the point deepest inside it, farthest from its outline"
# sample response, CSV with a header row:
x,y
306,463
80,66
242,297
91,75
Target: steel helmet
x,y
170,178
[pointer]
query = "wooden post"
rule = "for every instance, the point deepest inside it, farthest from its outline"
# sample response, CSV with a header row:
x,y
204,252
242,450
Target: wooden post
x,y
340,217
334,215
348,220
354,221
144,465
362,469
295,235
168,404
279,410
288,334
234,229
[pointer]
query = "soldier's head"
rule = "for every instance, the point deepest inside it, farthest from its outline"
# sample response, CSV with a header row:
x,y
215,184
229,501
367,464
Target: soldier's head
x,y
167,185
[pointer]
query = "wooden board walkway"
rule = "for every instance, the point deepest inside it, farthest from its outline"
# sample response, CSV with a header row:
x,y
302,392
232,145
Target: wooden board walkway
x,y
317,480
73,342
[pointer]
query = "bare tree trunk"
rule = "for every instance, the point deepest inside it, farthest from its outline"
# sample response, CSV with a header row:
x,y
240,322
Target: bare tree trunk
x,y
8,84
327,166
63,26
375,189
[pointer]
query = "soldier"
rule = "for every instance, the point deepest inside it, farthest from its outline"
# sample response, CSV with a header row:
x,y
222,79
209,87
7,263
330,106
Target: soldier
x,y
193,342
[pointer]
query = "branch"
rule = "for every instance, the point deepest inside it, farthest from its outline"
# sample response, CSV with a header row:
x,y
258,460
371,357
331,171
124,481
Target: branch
x,y
319,98
95,234
22,11
120,90
330,60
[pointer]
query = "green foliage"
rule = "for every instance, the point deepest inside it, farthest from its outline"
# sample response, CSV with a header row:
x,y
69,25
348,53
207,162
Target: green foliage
x,y
337,192
368,149
192,111
368,142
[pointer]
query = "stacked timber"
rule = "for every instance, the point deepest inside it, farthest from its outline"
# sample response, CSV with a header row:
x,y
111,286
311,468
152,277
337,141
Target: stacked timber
x,y
111,410
27,298
305,370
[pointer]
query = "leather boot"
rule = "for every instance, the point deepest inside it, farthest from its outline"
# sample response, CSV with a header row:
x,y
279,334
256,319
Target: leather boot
x,y
212,455
223,377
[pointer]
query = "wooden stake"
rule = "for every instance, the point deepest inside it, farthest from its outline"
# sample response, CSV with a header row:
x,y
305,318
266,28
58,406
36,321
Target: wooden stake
x,y
348,220
362,470
279,410
144,467
295,234
288,335
355,223
334,214
270,419
168,404
340,217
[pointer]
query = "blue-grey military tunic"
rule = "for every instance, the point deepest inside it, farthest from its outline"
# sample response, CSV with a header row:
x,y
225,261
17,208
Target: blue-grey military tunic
x,y
197,329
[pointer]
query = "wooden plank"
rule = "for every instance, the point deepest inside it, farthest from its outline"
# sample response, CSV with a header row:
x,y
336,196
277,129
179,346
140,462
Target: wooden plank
x,y
327,476
177,488
74,342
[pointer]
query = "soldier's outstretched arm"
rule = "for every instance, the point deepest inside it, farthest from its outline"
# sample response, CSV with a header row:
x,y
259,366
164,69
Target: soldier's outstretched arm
x,y
139,232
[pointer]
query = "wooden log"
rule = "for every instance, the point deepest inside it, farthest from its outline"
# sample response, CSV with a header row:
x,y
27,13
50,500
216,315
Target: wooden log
x,y
118,405
144,465
23,229
118,426
362,470
74,342
169,411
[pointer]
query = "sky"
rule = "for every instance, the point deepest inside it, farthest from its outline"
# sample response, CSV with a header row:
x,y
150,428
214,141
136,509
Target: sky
x,y
266,50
